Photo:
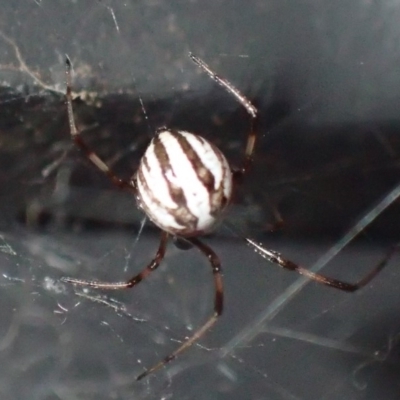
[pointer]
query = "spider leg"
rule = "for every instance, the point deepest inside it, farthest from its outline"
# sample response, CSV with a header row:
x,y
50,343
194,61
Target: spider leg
x,y
247,162
218,307
90,154
250,108
226,85
276,258
133,281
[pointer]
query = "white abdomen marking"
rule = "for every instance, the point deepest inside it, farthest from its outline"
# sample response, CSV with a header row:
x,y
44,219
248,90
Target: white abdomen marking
x,y
184,183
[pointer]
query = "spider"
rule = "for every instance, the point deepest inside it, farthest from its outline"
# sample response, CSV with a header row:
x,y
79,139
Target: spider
x,y
184,184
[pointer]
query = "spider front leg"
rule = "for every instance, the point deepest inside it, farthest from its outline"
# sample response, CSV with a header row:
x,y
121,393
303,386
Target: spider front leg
x,y
218,307
276,258
133,281
249,107
90,154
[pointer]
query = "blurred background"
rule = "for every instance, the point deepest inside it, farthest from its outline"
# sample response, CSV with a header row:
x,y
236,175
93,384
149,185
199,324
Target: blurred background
x,y
323,191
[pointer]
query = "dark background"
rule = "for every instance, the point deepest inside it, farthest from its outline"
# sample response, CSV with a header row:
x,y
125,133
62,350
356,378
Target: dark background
x,y
325,77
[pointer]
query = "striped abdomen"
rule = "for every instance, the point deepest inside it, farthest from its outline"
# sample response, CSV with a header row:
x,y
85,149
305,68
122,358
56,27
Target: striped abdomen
x,y
184,183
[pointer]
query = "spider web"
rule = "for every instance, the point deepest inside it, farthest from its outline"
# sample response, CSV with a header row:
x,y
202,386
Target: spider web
x,y
326,165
